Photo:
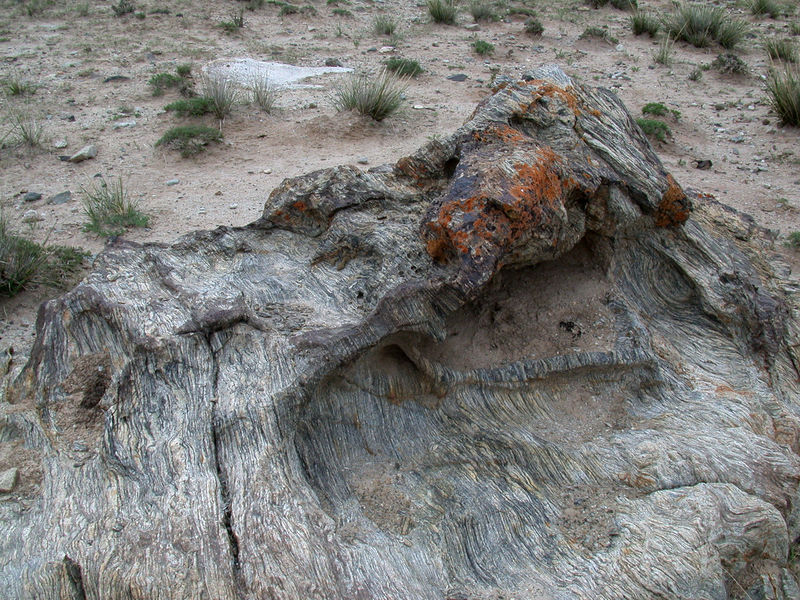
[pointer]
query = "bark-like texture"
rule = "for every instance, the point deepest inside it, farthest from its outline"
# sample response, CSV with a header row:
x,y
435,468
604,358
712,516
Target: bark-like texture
x,y
517,364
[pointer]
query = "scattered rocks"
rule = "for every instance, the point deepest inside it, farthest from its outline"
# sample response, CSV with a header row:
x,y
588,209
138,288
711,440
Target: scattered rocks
x,y
60,198
31,216
84,153
173,182
32,197
8,479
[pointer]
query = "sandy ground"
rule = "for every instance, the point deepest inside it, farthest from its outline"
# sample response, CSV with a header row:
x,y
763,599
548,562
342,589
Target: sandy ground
x,y
69,50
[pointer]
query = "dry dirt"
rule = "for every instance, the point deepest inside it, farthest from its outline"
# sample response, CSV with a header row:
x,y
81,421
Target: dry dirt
x,y
70,48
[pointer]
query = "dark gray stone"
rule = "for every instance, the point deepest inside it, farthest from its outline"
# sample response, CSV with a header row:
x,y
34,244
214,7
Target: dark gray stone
x,y
61,198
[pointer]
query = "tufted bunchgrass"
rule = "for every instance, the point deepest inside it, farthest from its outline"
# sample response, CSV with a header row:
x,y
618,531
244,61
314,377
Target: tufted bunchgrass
x,y
376,96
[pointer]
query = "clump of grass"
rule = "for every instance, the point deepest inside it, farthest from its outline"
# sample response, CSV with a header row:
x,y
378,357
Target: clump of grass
x,y
442,11
342,12
730,64
766,7
783,89
189,140
655,128
184,70
378,97
702,24
222,93
534,27
619,4
599,33
27,131
644,22
793,240
404,67
658,109
482,47
14,86
288,9
264,94
781,49
110,210
384,25
696,74
23,261
163,81
191,107
481,11
123,7
794,28
663,55
235,24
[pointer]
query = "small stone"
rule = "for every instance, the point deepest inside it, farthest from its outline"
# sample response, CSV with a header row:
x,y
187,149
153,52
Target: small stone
x,y
61,198
267,171
620,48
233,206
458,77
32,197
386,49
84,153
123,124
737,139
31,216
333,62
472,27
173,182
373,49
116,78
79,446
363,160
8,479
59,144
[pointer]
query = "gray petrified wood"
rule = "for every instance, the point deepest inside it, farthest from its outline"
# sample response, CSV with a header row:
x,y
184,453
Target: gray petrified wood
x,y
520,363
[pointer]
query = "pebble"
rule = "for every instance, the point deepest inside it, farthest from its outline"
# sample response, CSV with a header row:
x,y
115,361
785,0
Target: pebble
x,y
61,198
84,153
386,49
32,197
173,182
472,27
458,77
363,160
59,144
737,139
233,206
333,62
116,78
31,216
267,171
79,446
123,124
8,479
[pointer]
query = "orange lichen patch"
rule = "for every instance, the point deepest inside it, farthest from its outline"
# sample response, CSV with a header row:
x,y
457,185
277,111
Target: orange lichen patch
x,y
504,133
545,88
499,86
299,205
481,224
674,206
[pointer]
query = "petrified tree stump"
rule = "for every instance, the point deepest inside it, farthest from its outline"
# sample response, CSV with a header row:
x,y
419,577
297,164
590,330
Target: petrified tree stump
x,y
521,363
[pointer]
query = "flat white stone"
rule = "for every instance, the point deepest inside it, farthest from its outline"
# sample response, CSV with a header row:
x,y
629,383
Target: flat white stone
x,y
245,71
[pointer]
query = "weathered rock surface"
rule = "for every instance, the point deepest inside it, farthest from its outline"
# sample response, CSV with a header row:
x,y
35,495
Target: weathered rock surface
x,y
517,364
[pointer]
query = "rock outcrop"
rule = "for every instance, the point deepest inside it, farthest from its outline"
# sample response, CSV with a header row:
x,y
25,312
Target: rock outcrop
x,y
521,363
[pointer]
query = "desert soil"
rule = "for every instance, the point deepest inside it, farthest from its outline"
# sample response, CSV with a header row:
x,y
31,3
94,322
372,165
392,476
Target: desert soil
x,y
70,49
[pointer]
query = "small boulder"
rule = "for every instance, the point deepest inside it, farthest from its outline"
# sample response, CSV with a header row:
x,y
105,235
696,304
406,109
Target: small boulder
x,y
31,216
61,198
32,197
84,153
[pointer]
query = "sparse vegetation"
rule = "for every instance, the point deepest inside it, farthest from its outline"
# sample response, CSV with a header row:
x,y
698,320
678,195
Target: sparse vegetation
x,y
644,22
189,140
783,88
163,81
730,64
794,28
191,107
123,7
442,11
378,97
766,7
702,24
654,128
658,109
14,86
222,93
781,49
26,131
264,94
534,27
600,33
384,25
23,262
109,209
793,240
404,67
342,12
483,48
288,9
481,11
663,55
235,24
184,70
619,4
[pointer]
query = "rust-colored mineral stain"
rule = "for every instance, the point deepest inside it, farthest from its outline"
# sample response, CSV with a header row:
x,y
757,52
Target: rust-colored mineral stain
x,y
504,133
545,88
674,206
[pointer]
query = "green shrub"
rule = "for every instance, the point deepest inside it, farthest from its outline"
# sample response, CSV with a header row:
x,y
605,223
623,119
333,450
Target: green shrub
x,y
288,9
123,7
781,49
620,4
657,109
793,240
481,11
794,28
442,11
766,7
162,81
23,261
378,97
110,210
404,67
534,27
663,55
482,47
191,107
264,94
655,128
14,86
189,140
184,70
599,33
701,24
783,89
342,12
729,63
643,22
26,131
235,24
222,92
731,33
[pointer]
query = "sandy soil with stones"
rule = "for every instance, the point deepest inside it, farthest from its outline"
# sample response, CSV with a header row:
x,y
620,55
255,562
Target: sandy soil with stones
x,y
70,50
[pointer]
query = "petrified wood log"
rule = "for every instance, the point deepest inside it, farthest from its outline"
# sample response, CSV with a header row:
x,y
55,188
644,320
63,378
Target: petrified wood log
x,y
521,363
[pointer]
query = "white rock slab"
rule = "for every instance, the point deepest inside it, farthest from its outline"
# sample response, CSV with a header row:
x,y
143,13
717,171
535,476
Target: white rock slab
x,y
245,71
